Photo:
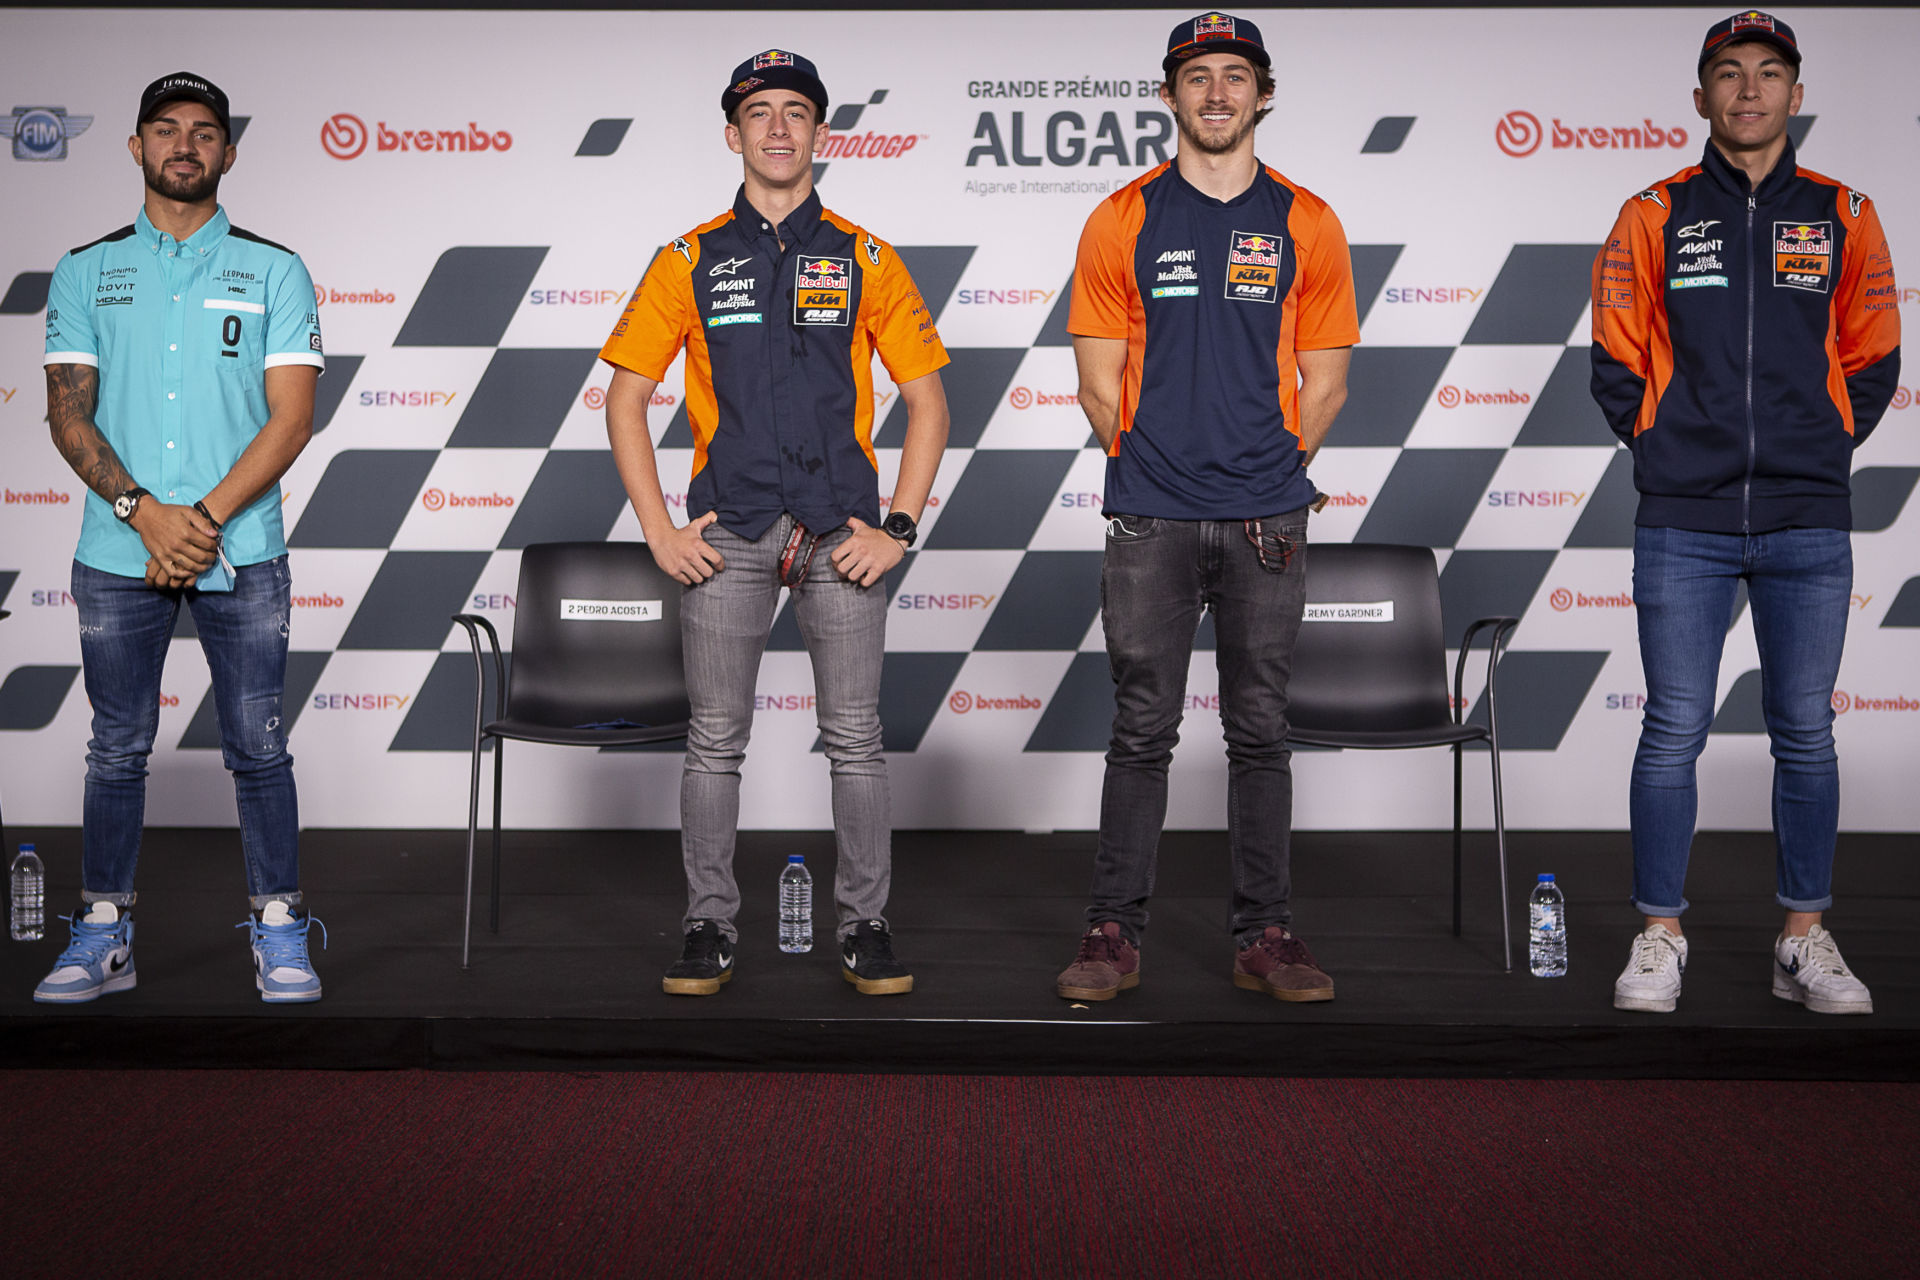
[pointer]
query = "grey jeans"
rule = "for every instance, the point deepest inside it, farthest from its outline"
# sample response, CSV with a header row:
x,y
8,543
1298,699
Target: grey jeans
x,y
724,622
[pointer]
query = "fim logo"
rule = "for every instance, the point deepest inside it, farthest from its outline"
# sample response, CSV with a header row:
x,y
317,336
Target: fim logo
x,y
41,133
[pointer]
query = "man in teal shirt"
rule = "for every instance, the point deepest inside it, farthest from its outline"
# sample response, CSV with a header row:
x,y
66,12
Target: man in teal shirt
x,y
181,358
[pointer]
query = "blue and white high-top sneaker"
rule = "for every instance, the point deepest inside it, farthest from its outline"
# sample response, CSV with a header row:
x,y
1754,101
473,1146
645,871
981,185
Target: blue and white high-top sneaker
x,y
281,969
97,961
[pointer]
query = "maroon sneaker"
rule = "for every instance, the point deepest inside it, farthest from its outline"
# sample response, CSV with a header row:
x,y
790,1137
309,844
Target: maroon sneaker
x,y
1107,965
1280,965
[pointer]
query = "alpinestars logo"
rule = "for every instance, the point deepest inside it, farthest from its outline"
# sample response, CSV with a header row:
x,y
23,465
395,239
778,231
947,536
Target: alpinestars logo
x,y
725,268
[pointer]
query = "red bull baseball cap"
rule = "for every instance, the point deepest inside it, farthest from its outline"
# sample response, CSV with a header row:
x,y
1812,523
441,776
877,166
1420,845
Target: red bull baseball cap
x,y
774,69
188,86
1214,33
1748,27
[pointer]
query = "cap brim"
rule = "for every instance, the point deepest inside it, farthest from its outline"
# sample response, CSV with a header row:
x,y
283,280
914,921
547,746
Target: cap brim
x,y
1200,48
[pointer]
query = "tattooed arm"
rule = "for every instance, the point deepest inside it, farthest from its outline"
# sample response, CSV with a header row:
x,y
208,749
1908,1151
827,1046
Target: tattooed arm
x,y
179,541
72,392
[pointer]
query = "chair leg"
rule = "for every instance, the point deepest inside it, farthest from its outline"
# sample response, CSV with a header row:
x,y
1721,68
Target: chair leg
x,y
499,758
473,827
1500,842
1456,839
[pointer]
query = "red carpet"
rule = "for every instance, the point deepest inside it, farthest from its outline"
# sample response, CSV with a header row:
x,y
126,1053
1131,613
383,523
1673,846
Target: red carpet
x,y
173,1173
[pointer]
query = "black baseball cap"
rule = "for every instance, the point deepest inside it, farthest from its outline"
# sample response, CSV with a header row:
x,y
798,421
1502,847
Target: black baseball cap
x,y
185,84
774,69
1214,33
1743,28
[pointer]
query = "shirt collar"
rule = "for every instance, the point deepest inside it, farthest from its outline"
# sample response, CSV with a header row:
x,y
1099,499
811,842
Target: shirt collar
x,y
202,241
799,226
1735,179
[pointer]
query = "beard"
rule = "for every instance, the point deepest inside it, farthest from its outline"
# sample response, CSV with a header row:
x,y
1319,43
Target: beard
x,y
1216,141
186,188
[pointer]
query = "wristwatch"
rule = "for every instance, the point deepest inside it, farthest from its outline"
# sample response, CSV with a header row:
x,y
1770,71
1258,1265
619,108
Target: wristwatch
x,y
127,503
901,526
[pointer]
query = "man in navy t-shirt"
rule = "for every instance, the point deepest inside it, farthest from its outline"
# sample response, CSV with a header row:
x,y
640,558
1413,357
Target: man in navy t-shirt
x,y
1213,313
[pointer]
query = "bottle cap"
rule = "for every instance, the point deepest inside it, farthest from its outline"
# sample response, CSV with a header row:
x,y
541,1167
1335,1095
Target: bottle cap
x,y
1546,877
795,857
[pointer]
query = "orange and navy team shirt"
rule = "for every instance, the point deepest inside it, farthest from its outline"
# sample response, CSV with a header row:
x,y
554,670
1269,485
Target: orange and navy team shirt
x,y
1213,299
1744,343
780,346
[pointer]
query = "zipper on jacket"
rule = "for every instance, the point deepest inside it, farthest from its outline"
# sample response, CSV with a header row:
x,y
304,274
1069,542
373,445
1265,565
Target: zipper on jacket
x,y
1746,486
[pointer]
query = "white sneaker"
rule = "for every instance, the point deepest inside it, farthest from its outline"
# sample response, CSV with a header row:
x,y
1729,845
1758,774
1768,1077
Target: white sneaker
x,y
1810,971
1651,980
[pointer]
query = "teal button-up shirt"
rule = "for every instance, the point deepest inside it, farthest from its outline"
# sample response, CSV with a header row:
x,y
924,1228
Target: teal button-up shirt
x,y
183,332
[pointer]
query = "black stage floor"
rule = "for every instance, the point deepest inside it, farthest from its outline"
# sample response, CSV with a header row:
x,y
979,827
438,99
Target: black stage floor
x,y
985,919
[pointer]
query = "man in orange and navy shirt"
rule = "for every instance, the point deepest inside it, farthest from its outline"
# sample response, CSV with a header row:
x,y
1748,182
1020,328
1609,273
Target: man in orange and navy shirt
x,y
781,307
1746,339
1213,313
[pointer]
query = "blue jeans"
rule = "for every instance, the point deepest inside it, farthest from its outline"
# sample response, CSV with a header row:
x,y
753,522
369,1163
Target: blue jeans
x,y
724,623
1156,577
125,627
1798,586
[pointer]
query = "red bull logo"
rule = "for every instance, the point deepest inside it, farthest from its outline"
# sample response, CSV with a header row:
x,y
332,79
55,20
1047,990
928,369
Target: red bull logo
x,y
772,58
1214,26
748,85
1751,20
1254,249
824,273
1801,233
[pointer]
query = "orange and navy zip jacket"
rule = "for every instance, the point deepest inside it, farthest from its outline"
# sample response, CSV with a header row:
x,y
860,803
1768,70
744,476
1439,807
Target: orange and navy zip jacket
x,y
1213,298
1744,343
780,345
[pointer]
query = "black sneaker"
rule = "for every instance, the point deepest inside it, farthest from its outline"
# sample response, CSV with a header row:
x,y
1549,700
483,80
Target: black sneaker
x,y
705,962
866,960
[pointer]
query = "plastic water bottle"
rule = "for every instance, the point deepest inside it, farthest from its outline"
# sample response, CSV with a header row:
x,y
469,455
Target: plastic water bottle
x,y
1547,930
29,896
796,905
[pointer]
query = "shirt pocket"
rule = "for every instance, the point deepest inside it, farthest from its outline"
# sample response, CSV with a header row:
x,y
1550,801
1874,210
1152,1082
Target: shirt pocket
x,y
234,336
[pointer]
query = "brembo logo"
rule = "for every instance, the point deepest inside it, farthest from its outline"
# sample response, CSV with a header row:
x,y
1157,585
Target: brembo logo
x,y
1563,600
440,499
1027,398
1452,397
1519,134
960,702
1844,702
345,136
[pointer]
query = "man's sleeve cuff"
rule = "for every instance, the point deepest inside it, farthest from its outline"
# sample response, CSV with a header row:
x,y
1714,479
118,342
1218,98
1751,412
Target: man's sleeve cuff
x,y
313,358
72,357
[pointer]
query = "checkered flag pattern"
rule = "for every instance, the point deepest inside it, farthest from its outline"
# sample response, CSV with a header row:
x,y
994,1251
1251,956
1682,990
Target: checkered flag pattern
x,y
467,424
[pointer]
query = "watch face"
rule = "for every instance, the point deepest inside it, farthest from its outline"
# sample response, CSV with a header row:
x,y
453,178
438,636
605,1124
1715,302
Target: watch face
x,y
900,525
123,505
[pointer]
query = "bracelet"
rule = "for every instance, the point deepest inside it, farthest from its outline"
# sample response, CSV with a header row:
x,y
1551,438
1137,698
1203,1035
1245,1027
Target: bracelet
x,y
201,507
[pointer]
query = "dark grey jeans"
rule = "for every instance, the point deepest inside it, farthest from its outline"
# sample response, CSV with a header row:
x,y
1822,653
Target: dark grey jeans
x,y
1157,576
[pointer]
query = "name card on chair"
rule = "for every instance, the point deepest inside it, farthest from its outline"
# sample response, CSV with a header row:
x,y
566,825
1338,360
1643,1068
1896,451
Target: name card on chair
x,y
609,610
1380,611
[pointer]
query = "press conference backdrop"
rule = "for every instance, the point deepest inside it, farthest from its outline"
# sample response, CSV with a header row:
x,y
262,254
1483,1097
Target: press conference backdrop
x,y
477,193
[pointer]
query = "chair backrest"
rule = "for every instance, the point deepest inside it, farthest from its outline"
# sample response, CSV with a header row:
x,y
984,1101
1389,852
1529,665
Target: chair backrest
x,y
1371,653
596,637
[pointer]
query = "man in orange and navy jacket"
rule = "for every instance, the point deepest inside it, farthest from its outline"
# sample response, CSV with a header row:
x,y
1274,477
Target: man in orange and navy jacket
x,y
1746,339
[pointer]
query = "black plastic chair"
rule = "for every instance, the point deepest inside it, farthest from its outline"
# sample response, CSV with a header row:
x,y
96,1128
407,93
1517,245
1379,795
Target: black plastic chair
x,y
596,663
1375,678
